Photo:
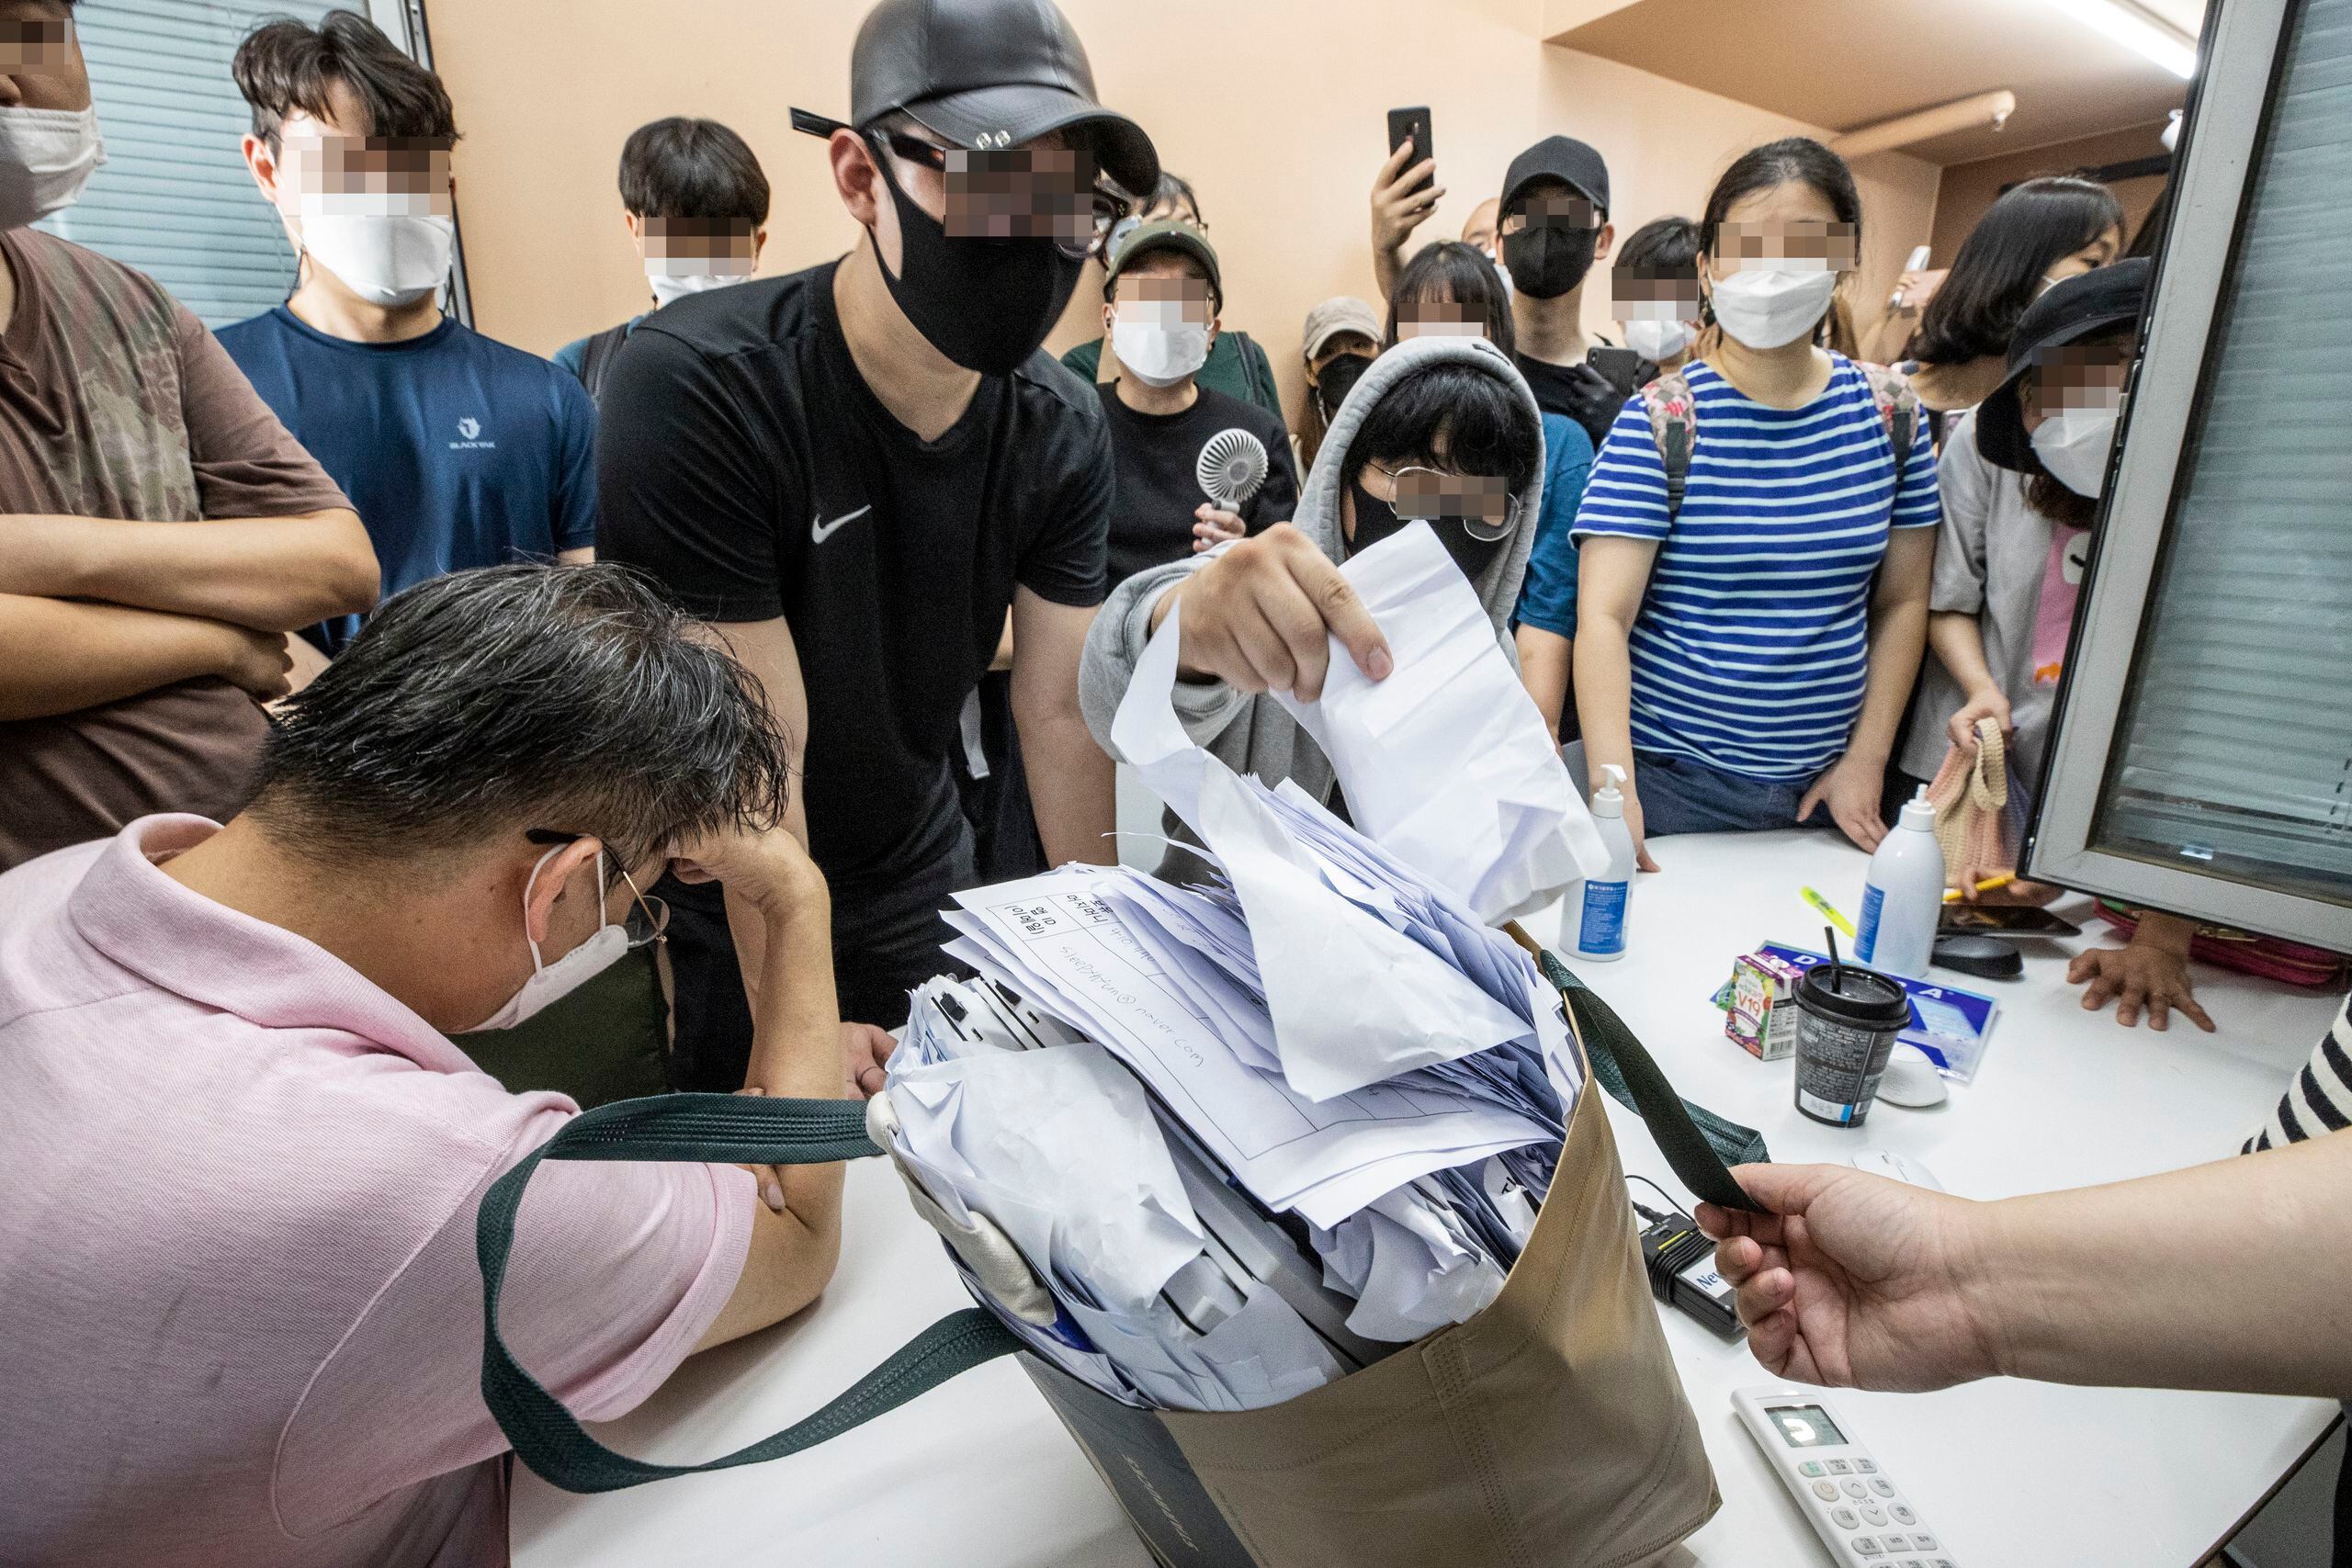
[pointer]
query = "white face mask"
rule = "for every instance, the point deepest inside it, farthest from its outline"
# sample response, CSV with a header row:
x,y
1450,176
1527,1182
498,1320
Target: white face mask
x,y
1660,341
2073,444
386,258
574,969
1155,341
46,157
667,287
1765,307
1503,273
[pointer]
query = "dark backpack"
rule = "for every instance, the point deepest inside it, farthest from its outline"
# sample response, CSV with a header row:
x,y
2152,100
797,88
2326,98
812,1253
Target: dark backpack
x,y
1674,423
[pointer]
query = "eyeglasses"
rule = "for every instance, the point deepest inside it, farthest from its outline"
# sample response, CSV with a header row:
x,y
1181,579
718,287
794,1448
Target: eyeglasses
x,y
1485,505
1019,193
647,917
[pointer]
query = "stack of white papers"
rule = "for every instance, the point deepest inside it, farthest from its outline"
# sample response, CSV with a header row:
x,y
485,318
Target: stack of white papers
x,y
1114,1125
1207,1047
1058,1149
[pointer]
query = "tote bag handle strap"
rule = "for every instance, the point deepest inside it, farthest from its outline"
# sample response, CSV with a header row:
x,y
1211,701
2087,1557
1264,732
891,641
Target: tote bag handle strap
x,y
701,1128
1701,1145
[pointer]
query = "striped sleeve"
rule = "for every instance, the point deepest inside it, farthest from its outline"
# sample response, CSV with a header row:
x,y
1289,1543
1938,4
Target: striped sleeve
x,y
2320,1100
1918,505
1625,493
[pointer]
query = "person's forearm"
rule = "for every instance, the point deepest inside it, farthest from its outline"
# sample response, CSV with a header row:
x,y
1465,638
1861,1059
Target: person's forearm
x,y
1959,643
1387,261
2168,933
795,1054
60,656
1544,659
796,1014
1604,688
273,574
2225,1276
1898,636
1071,783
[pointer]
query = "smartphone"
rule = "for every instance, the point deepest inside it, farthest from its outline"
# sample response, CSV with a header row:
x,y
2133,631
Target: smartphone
x,y
1412,125
1618,367
2010,920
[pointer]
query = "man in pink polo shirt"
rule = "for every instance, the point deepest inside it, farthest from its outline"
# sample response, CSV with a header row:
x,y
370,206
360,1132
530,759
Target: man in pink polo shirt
x,y
240,1313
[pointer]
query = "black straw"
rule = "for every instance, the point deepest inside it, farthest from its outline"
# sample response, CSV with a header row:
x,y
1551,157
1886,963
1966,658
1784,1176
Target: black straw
x,y
1837,972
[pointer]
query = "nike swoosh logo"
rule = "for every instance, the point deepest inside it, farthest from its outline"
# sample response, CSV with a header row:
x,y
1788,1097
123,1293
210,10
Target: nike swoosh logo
x,y
818,531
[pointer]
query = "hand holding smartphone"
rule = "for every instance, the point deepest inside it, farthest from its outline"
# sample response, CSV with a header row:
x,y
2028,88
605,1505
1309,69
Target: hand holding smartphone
x,y
1412,125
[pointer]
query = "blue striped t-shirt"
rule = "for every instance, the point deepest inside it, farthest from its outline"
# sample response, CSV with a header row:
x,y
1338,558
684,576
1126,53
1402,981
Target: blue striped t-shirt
x,y
1752,647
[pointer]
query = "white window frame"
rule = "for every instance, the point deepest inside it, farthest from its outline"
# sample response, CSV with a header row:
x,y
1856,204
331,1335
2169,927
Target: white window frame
x,y
2245,50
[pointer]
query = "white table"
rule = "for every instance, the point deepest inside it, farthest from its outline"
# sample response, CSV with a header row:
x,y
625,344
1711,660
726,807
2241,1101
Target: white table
x,y
979,1473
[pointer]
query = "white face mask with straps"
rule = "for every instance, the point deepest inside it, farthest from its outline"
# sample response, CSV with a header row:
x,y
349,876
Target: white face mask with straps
x,y
1658,341
46,157
1156,342
1769,305
2074,443
382,248
551,982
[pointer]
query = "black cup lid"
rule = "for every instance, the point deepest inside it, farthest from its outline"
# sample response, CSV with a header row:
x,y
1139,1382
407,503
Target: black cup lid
x,y
1863,997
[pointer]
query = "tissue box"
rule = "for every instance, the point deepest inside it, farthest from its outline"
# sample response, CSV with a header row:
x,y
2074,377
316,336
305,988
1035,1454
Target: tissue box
x,y
1761,1010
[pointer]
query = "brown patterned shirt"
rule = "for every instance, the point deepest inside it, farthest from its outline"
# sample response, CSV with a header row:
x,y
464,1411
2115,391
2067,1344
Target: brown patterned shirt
x,y
115,402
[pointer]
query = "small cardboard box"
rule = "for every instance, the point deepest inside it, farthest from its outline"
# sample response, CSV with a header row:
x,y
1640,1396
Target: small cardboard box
x,y
1762,1013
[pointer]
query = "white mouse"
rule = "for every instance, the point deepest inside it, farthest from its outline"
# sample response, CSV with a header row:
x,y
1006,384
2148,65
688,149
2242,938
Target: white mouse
x,y
1911,1079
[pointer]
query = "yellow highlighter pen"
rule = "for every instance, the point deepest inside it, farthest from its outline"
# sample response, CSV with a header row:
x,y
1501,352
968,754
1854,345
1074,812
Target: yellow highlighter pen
x,y
1828,910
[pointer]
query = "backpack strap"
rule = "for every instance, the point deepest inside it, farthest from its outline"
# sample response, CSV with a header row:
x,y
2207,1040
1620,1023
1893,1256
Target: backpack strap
x,y
1674,427
596,358
1899,409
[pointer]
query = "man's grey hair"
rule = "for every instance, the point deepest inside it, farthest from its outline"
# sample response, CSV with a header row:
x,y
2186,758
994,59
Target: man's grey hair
x,y
569,700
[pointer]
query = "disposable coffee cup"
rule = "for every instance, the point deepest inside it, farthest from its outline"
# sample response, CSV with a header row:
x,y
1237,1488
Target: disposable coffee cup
x,y
1847,1022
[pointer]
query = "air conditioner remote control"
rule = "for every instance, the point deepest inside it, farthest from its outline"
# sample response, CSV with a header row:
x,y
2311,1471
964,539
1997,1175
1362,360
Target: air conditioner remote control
x,y
1855,1507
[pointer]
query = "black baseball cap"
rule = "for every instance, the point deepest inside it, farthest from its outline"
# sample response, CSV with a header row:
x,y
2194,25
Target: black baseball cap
x,y
1560,158
2067,312
984,74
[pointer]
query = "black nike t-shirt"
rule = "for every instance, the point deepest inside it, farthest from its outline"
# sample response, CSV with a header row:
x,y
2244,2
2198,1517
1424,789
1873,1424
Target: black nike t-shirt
x,y
1159,460
744,463
1577,390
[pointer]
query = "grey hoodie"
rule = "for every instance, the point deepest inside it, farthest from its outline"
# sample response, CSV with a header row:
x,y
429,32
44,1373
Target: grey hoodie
x,y
1253,734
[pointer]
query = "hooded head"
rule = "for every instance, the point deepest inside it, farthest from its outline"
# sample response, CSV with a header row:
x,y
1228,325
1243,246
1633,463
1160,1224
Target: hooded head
x,y
1453,405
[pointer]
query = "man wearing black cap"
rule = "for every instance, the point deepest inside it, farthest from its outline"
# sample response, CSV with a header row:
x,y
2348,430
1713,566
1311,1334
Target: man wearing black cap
x,y
1554,225
854,471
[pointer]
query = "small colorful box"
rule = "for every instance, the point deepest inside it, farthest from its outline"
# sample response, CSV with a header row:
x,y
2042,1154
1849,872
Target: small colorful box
x,y
1761,1014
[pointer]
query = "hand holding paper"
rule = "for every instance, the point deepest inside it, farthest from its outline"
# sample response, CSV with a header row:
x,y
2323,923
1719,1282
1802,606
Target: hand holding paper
x,y
1447,764
1270,613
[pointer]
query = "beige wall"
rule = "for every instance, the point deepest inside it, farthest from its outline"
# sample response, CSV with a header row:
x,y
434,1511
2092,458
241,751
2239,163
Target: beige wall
x,y
1666,143
1274,109
1969,189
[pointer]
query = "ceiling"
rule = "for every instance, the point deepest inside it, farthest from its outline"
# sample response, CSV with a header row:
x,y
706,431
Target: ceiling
x,y
1847,64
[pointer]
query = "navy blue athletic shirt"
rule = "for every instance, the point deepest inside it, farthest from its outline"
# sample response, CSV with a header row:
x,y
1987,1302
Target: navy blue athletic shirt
x,y
457,451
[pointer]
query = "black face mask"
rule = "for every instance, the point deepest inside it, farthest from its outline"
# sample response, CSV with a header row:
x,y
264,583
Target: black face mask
x,y
986,304
1377,520
1545,263
1333,382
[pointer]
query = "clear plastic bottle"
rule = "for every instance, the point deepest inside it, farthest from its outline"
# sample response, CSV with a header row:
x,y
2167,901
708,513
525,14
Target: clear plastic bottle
x,y
1903,895
1599,907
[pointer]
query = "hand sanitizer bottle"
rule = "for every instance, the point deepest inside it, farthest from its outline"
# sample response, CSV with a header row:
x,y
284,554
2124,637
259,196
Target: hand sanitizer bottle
x,y
1903,895
1599,906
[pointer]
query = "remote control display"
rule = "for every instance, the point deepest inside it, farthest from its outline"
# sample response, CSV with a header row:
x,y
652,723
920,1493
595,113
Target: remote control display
x,y
1853,1506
